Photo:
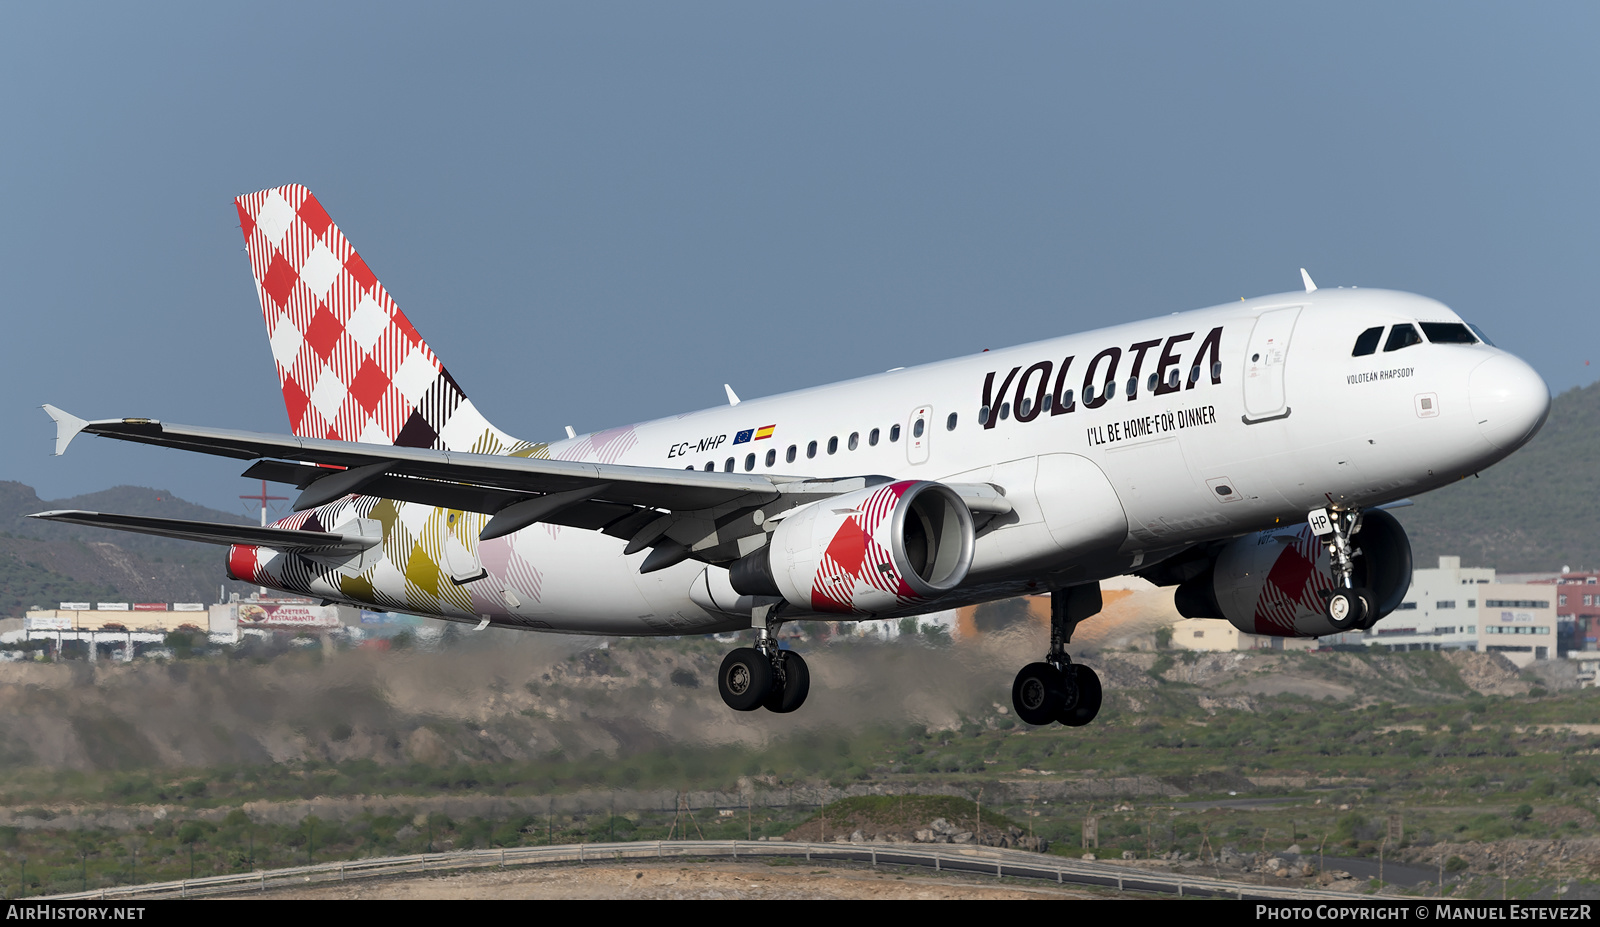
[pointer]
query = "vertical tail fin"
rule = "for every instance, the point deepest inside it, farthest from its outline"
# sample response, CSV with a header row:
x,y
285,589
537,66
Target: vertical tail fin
x,y
351,365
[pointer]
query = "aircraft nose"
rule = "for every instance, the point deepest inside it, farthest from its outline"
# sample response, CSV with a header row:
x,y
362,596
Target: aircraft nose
x,y
1509,400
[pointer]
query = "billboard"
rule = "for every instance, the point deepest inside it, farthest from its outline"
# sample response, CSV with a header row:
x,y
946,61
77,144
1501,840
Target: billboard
x,y
32,623
288,616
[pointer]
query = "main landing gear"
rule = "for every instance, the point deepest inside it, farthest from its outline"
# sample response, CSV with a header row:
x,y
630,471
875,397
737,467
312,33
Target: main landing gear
x,y
1349,607
764,676
1058,689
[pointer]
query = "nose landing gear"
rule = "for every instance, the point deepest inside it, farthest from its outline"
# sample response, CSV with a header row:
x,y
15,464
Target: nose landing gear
x,y
1349,607
764,676
1058,689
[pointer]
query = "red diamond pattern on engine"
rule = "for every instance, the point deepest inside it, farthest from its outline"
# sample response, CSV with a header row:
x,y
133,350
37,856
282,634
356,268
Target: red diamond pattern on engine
x,y
856,556
1294,584
352,366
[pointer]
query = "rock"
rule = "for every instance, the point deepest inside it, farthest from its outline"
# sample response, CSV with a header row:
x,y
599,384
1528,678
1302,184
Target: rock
x,y
1129,854
941,826
1294,850
924,835
1089,856
963,837
858,837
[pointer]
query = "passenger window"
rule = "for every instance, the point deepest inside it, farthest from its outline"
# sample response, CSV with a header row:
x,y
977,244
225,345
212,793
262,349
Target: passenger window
x,y
789,454
894,433
1172,379
855,440
1088,394
1111,389
1066,400
872,438
1044,404
1194,375
1367,342
811,450
710,466
728,467
1133,387
772,457
950,423
749,462
917,429
1216,370
1150,382
1005,412
833,445
1401,336
1022,409
1448,333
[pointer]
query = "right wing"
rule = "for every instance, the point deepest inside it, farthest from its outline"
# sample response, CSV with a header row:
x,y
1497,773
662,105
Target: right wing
x,y
286,539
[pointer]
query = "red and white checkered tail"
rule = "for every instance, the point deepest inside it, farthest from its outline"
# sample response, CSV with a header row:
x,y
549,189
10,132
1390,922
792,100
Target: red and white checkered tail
x,y
351,365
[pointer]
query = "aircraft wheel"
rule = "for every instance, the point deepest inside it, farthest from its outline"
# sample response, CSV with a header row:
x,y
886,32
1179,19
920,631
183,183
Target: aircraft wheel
x,y
745,679
1369,610
1087,704
791,693
1038,694
1347,608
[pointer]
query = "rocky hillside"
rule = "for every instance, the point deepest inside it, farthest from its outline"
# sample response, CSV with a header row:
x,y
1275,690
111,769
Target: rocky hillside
x,y
501,696
43,564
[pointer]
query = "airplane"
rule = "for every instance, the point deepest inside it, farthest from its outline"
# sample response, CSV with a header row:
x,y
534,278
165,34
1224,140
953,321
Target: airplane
x,y
1245,453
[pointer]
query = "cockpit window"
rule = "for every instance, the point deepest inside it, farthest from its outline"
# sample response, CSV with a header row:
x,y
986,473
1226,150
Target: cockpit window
x,y
1367,342
1448,333
1401,336
1481,336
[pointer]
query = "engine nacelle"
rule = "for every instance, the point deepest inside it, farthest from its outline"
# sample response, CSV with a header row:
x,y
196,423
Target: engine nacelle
x,y
867,552
1271,582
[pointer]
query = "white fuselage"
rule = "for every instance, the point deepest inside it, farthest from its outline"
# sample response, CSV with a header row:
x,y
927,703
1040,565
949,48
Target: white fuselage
x,y
1271,417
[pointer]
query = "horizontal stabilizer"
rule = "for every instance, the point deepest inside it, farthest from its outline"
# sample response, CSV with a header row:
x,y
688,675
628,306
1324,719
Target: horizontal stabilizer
x,y
286,539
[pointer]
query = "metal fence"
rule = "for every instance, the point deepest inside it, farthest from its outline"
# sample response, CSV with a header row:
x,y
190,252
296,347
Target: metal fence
x,y
984,861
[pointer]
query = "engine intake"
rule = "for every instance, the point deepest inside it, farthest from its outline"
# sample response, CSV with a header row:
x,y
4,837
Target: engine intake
x,y
865,553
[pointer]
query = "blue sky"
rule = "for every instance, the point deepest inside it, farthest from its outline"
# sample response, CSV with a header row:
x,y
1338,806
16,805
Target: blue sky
x,y
600,213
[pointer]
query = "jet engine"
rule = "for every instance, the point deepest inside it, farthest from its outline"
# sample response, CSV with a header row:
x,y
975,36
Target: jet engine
x,y
868,552
1274,582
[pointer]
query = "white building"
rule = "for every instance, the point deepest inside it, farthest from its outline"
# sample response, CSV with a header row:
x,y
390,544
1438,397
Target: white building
x,y
1465,608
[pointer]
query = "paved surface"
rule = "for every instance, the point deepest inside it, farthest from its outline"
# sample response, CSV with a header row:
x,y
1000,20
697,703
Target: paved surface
x,y
679,880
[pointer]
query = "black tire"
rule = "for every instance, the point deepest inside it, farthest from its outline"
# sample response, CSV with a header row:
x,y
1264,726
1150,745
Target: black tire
x,y
1346,609
1038,693
785,698
1087,704
1369,610
744,679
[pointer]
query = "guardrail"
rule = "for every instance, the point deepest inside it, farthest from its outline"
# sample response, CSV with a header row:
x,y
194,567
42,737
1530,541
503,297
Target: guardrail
x,y
999,863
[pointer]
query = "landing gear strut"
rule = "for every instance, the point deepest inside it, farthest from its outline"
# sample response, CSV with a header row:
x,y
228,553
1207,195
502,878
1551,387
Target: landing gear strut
x,y
1349,607
1057,689
764,676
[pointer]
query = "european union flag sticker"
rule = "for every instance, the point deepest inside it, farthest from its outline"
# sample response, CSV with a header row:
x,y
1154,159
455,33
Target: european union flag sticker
x,y
743,437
